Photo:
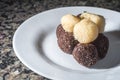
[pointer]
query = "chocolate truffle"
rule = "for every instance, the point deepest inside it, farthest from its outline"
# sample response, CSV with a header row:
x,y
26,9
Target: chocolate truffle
x,y
85,54
65,40
102,44
60,31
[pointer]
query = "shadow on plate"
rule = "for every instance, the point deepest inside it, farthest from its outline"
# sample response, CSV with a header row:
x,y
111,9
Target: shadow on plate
x,y
112,58
39,43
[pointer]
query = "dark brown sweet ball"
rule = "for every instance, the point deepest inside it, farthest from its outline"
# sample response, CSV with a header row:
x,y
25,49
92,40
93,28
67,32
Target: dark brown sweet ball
x,y
65,40
60,31
85,54
102,45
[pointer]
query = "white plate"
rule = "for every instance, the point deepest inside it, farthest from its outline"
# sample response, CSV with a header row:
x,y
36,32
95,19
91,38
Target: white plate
x,y
35,44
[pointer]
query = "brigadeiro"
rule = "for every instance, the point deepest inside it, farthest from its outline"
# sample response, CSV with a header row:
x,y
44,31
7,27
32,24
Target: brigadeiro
x,y
65,40
85,54
60,31
102,45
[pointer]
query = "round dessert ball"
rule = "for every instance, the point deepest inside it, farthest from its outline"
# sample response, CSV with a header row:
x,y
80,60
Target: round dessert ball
x,y
102,45
65,40
60,31
85,54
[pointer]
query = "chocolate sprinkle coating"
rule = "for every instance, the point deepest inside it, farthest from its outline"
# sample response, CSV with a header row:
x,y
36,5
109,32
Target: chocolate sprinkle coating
x,y
102,45
60,31
65,40
85,54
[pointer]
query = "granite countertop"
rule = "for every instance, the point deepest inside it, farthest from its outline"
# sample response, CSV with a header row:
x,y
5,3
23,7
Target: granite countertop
x,y
13,13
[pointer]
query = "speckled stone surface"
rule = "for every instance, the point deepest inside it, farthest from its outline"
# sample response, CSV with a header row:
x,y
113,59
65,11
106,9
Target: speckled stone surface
x,y
13,13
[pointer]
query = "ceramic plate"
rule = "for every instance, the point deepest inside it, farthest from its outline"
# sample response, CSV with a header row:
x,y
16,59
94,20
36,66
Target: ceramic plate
x,y
35,44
